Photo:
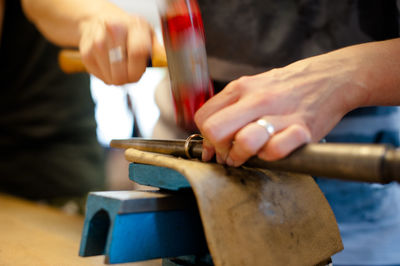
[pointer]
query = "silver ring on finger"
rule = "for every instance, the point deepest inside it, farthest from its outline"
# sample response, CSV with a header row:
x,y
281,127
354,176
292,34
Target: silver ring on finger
x,y
115,54
267,126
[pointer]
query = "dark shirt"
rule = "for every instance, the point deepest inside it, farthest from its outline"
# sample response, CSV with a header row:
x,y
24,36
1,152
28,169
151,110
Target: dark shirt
x,y
48,144
270,34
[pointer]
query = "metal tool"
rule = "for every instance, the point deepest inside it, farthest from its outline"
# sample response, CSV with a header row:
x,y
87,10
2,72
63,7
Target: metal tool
x,y
184,41
352,162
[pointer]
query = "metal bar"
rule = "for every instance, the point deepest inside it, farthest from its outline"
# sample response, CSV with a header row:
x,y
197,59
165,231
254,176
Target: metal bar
x,y
353,162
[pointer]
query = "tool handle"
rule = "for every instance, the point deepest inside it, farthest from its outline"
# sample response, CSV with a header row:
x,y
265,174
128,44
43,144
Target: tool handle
x,y
375,163
351,162
70,60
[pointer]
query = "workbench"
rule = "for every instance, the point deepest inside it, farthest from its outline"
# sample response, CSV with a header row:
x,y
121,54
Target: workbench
x,y
37,234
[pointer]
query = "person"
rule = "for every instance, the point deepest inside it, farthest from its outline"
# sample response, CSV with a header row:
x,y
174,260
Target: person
x,y
49,149
289,72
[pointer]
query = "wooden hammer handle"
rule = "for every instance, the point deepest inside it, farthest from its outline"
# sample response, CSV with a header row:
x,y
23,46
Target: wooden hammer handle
x,y
70,60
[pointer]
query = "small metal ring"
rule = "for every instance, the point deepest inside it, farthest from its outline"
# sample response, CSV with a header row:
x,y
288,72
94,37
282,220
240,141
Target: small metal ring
x,y
267,126
187,144
115,55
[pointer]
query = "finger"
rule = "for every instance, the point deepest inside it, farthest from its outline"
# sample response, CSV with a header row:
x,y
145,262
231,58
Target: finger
x,y
95,71
249,140
284,142
138,49
90,62
116,43
208,151
221,153
221,127
86,51
227,96
100,53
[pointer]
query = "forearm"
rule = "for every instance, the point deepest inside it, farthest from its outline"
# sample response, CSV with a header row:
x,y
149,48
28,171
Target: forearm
x,y
303,101
60,20
378,74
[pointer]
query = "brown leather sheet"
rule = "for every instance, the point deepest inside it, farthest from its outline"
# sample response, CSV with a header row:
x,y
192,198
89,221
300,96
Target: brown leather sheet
x,y
256,217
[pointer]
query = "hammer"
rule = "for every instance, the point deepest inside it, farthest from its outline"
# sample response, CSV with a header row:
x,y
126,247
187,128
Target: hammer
x,y
184,40
70,60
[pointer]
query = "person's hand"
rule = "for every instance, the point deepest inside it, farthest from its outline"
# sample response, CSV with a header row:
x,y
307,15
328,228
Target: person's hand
x,y
299,103
116,48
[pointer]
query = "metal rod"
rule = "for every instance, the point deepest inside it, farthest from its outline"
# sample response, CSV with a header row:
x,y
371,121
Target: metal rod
x,y
352,162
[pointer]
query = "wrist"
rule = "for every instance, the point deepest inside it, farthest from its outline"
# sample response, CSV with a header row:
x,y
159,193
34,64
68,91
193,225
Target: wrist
x,y
377,77
355,76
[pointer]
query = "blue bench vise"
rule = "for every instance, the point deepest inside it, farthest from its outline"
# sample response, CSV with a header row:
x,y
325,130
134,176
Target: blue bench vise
x,y
130,226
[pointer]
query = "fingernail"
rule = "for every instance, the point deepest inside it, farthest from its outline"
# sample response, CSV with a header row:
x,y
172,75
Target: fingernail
x,y
230,162
204,155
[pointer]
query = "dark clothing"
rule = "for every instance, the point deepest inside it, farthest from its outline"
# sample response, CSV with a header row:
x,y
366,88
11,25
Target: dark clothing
x,y
270,34
48,144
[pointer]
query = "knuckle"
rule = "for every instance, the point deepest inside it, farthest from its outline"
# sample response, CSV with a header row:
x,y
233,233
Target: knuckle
x,y
300,134
88,59
232,90
198,119
246,144
119,77
137,20
244,80
106,81
210,130
273,72
240,84
238,157
261,100
118,81
99,45
136,74
276,151
115,26
134,78
135,54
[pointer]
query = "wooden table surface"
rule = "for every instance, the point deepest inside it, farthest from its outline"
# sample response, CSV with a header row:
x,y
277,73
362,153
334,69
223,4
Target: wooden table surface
x,y
35,234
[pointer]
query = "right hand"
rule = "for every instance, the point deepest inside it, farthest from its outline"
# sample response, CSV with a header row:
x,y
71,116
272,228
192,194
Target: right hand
x,y
130,37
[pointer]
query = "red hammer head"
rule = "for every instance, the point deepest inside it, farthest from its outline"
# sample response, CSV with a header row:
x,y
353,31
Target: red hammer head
x,y
183,34
184,41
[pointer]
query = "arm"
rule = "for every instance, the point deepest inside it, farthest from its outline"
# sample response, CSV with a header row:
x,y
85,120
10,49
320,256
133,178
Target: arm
x,y
96,26
303,101
60,20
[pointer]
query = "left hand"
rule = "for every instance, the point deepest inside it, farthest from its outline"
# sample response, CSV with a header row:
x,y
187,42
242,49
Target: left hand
x,y
303,101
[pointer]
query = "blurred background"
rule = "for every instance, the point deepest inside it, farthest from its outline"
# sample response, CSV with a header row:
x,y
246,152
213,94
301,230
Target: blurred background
x,y
115,105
